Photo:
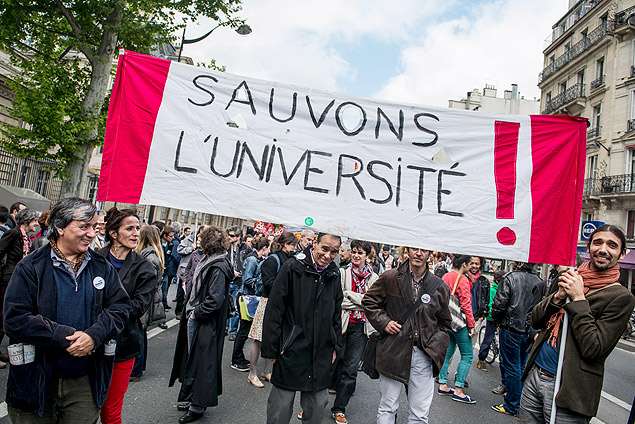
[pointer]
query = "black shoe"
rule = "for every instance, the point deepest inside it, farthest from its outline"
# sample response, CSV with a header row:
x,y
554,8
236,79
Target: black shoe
x,y
240,367
183,406
163,325
190,417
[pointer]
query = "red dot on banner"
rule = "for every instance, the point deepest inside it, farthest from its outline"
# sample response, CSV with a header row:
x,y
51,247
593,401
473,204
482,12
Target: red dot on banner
x,y
506,236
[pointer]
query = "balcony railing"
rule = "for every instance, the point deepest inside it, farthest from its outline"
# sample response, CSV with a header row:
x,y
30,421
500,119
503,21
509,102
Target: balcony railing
x,y
593,37
572,93
597,82
593,132
621,17
614,184
631,125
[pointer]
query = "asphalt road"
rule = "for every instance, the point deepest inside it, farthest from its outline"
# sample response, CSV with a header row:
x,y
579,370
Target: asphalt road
x,y
152,401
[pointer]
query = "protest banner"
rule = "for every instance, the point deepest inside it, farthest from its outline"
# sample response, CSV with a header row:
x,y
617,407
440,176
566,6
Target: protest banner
x,y
502,186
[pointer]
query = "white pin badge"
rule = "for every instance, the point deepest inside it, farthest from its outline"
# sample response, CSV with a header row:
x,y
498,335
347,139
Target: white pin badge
x,y
99,283
425,298
300,256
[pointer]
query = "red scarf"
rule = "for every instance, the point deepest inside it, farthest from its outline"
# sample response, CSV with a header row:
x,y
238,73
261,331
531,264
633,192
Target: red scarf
x,y
359,276
592,280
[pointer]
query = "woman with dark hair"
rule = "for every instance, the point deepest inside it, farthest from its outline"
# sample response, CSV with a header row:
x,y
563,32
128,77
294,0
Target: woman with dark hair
x,y
139,279
356,279
460,288
199,346
14,245
282,249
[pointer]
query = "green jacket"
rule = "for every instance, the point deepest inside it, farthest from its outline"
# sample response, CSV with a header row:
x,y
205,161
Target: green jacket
x,y
595,327
492,292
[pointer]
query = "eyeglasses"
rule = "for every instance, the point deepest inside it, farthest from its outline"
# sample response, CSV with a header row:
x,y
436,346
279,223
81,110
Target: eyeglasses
x,y
232,235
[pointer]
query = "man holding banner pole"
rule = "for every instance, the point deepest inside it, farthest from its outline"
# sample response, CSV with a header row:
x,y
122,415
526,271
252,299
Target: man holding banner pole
x,y
596,314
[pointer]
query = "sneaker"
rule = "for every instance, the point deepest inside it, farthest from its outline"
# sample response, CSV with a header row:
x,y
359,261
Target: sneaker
x,y
332,392
163,326
300,415
232,337
449,392
339,417
464,399
3,365
240,367
134,379
500,389
500,408
481,365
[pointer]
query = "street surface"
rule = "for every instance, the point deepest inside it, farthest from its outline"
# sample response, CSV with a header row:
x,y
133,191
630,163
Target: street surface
x,y
152,401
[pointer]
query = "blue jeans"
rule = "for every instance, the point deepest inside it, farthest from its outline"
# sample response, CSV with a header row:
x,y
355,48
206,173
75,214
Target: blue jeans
x,y
232,322
513,348
490,330
461,339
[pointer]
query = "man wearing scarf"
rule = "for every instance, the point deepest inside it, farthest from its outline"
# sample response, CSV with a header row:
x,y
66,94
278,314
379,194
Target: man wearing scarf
x,y
598,311
355,279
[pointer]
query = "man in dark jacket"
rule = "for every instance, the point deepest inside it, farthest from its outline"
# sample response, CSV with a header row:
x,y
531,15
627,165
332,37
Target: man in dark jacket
x,y
518,292
597,314
411,354
301,331
67,302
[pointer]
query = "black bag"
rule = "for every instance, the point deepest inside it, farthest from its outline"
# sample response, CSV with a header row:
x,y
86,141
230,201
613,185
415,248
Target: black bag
x,y
369,359
370,356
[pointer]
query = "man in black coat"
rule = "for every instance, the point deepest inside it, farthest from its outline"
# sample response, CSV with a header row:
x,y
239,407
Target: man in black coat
x,y
301,331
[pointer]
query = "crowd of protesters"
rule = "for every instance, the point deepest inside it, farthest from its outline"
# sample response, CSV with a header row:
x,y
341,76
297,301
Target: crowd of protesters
x,y
79,291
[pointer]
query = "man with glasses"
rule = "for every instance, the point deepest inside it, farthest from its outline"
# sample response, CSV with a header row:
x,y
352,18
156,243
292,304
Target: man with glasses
x,y
64,305
410,354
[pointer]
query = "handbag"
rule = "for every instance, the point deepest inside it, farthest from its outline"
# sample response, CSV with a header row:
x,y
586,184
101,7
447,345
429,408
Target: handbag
x,y
248,306
458,316
369,358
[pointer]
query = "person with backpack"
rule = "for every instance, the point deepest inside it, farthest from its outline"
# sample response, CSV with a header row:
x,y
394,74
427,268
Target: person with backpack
x,y
282,248
251,285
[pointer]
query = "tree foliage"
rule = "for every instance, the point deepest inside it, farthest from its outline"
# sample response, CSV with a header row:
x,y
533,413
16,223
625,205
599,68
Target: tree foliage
x,y
65,50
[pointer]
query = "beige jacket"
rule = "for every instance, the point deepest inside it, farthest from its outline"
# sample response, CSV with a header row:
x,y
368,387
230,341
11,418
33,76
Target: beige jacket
x,y
353,301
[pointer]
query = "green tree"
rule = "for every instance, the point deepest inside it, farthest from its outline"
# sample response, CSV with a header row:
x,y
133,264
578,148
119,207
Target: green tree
x,y
65,50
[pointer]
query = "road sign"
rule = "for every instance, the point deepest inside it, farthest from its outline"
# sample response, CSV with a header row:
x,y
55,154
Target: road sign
x,y
588,227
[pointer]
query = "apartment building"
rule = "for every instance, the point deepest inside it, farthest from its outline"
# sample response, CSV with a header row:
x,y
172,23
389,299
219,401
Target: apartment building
x,y
589,71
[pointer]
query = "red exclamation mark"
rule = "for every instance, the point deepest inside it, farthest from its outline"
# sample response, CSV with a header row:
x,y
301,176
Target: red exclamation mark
x,y
505,154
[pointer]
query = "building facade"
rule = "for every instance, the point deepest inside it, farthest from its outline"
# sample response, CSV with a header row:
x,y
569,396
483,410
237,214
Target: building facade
x,y
589,71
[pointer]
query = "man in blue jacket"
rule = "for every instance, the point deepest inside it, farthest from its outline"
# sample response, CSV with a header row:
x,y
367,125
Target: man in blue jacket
x,y
67,303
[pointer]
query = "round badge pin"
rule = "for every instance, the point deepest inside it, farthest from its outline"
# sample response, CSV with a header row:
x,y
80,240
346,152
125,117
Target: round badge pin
x,y
99,283
425,298
300,256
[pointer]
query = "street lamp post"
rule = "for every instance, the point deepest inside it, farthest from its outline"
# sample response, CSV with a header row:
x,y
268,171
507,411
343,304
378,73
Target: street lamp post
x,y
244,29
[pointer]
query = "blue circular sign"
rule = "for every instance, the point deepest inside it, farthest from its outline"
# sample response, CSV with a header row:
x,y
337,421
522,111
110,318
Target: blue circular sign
x,y
587,229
